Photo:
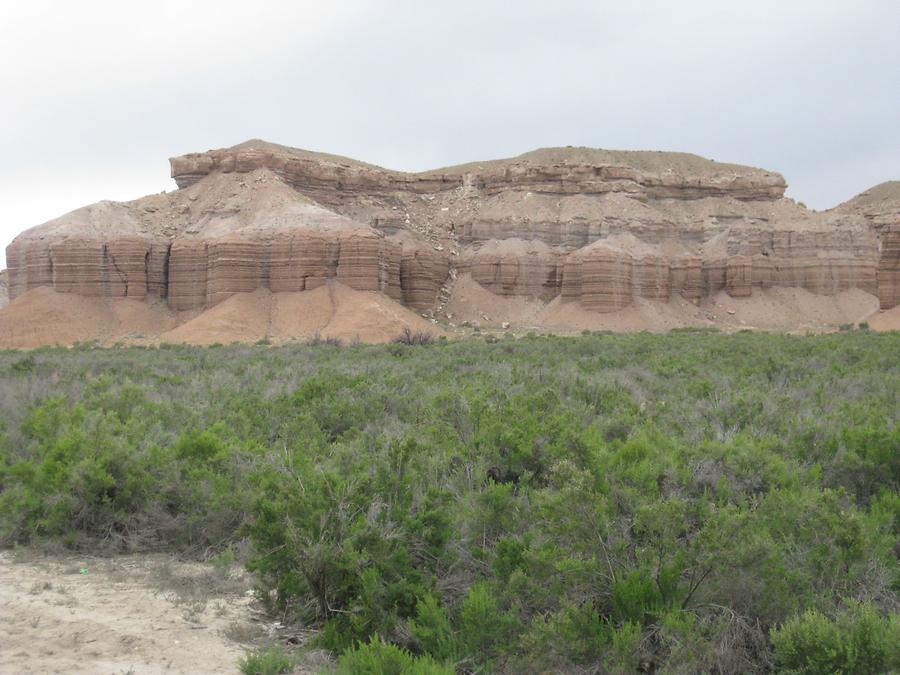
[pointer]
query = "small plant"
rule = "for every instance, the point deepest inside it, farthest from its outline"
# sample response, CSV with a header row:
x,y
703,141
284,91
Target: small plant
x,y
377,657
223,561
858,640
411,337
24,365
317,339
265,661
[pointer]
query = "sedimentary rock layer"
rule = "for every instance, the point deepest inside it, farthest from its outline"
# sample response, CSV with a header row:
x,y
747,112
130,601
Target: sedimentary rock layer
x,y
880,206
197,273
595,227
582,171
4,289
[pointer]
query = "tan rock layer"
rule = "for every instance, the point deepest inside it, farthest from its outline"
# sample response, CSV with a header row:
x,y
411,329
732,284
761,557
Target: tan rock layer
x,y
889,267
4,289
522,269
880,206
605,280
196,274
571,222
606,277
332,181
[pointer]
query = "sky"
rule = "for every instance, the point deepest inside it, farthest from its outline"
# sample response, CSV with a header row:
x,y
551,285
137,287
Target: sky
x,y
95,96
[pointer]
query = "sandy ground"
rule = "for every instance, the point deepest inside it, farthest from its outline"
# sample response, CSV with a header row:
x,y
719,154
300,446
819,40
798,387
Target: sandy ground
x,y
889,319
42,316
332,310
777,309
130,614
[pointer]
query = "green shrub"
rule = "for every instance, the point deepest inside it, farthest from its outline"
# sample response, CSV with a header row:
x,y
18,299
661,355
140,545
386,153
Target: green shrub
x,y
377,657
547,504
432,630
484,628
267,661
635,598
858,640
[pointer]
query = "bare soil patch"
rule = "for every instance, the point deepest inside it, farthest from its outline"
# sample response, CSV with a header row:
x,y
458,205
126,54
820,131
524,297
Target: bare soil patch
x,y
130,614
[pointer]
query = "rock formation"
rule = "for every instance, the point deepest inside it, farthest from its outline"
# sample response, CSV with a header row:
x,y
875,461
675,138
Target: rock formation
x,y
880,206
4,290
592,227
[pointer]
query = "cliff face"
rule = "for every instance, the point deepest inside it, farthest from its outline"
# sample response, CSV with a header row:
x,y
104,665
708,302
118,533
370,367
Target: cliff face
x,y
880,206
4,290
592,227
228,234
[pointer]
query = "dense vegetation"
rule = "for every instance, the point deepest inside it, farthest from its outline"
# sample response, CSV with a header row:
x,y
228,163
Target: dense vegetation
x,y
608,503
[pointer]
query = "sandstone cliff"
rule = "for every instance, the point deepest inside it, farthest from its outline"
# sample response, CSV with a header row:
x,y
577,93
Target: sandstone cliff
x,y
880,206
4,289
599,229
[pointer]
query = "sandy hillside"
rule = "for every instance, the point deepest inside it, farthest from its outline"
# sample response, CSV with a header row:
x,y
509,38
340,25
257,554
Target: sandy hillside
x,y
886,320
43,316
332,310
779,309
132,614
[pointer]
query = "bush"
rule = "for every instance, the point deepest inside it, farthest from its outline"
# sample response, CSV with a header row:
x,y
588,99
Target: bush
x,y
411,337
432,630
484,628
858,640
267,661
377,657
317,339
547,504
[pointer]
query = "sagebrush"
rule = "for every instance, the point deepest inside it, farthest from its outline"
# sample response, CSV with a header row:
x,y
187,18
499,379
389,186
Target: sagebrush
x,y
691,502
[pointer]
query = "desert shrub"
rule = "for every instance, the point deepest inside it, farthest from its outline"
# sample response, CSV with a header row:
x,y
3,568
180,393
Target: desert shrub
x,y
635,598
545,504
484,627
377,657
24,365
414,337
858,640
432,630
80,478
317,339
266,661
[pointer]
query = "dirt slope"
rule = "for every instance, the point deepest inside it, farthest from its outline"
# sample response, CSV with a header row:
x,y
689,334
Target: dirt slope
x,y
332,310
42,316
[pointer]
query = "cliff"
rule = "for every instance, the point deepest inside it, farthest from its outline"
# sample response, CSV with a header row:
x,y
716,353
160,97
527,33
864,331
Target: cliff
x,y
880,206
601,229
4,289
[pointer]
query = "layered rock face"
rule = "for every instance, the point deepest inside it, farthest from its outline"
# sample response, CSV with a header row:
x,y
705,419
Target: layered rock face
x,y
595,227
880,206
4,290
225,235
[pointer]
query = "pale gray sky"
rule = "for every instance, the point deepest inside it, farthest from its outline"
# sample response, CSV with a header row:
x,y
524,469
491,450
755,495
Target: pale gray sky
x,y
96,95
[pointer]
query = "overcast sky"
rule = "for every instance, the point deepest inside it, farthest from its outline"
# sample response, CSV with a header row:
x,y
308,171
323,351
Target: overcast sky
x,y
97,95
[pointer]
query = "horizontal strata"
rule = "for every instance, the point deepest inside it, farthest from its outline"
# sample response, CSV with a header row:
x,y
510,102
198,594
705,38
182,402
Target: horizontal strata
x,y
327,178
194,274
600,228
880,206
